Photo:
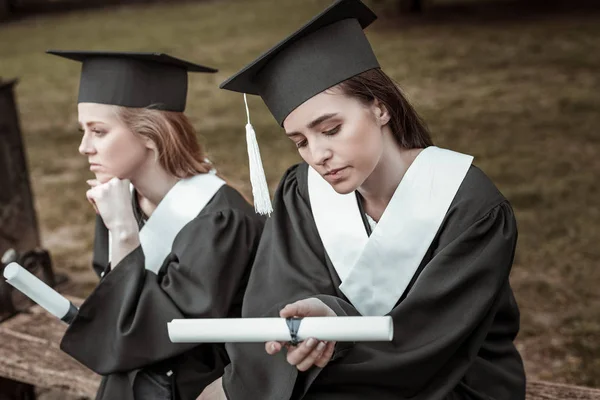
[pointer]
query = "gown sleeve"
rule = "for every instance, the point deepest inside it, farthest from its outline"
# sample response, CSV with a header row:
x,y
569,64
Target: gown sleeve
x,y
122,325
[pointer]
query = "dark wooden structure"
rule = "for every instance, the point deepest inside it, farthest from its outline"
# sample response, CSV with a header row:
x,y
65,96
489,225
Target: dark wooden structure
x,y
19,237
18,222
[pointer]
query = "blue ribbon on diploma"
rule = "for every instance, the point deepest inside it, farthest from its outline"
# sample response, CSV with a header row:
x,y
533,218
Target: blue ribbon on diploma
x,y
293,325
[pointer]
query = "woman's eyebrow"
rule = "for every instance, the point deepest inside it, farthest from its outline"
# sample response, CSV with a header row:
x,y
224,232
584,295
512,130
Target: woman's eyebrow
x,y
314,123
89,123
320,120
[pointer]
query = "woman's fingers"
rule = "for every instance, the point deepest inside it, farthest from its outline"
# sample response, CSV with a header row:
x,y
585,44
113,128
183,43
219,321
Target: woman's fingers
x,y
90,197
311,307
273,347
304,355
312,356
312,351
302,308
112,201
293,310
93,182
326,355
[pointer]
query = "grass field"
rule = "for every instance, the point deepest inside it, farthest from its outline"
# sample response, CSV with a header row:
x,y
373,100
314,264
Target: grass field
x,y
519,91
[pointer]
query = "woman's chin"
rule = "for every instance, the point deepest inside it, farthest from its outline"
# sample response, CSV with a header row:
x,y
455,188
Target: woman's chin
x,y
343,187
103,178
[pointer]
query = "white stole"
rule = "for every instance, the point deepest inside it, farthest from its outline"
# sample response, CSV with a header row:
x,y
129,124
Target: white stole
x,y
181,204
375,270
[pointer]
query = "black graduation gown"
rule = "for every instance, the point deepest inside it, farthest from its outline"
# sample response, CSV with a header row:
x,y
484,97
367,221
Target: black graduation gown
x,y
122,326
453,327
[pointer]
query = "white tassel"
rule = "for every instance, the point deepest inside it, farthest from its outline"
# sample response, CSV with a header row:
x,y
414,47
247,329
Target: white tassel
x,y
260,189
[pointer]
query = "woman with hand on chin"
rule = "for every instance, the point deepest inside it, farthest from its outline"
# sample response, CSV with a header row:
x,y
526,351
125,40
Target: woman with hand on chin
x,y
376,221
172,239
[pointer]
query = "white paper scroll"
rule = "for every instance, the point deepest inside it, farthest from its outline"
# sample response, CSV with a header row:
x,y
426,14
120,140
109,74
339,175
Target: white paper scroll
x,y
246,330
38,291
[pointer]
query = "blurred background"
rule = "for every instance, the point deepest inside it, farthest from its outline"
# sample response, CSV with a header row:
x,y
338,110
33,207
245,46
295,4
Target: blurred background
x,y
514,83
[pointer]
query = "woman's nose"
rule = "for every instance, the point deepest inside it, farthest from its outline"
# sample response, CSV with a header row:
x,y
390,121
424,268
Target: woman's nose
x,y
320,154
86,147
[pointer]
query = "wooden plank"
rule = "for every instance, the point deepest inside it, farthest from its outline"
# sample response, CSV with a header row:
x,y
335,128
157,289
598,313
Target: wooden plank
x,y
30,353
538,390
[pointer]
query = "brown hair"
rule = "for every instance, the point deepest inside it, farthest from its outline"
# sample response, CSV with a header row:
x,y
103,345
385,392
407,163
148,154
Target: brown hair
x,y
407,126
178,150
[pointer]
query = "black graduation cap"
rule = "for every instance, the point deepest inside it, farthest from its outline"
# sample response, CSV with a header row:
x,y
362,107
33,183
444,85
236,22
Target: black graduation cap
x,y
133,79
329,49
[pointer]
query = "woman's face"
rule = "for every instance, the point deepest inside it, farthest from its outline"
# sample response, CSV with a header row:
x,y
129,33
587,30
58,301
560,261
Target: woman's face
x,y
111,148
340,137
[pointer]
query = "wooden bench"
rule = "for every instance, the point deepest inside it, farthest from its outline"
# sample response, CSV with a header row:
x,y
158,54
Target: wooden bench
x,y
29,353
538,390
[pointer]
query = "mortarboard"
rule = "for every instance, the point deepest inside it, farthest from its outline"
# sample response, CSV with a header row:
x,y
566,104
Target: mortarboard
x,y
133,79
329,49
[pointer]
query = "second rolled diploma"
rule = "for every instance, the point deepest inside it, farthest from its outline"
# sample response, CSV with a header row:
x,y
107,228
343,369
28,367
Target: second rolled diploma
x,y
247,330
38,291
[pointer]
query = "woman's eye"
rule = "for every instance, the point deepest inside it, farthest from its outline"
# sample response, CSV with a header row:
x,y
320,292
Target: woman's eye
x,y
332,131
301,144
97,132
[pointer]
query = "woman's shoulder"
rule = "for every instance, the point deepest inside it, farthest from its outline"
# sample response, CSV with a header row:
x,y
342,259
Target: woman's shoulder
x,y
229,198
477,196
478,186
293,185
295,175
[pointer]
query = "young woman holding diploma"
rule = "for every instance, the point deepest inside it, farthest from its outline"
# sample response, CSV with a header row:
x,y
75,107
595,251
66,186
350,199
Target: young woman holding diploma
x,y
172,239
377,221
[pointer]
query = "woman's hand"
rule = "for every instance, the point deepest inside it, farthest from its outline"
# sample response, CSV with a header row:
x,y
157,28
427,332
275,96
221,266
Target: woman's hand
x,y
214,391
112,201
312,351
93,183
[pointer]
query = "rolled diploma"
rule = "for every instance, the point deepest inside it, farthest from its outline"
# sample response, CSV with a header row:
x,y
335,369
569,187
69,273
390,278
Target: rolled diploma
x,y
37,290
247,330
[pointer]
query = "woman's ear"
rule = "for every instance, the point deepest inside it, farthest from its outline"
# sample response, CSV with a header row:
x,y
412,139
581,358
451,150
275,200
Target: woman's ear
x,y
381,113
149,143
